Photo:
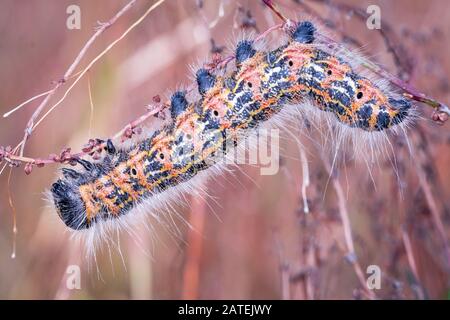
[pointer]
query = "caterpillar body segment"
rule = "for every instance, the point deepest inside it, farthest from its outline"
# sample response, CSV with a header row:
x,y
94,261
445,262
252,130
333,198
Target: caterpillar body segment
x,y
230,107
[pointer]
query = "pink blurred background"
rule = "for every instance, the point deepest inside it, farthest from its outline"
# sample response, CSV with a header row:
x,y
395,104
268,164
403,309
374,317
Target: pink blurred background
x,y
253,242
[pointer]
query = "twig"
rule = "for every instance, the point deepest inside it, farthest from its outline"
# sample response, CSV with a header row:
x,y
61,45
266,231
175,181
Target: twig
x,y
442,111
409,253
89,66
191,275
273,7
13,209
305,178
13,159
16,108
420,163
351,254
93,146
7,114
284,267
411,92
30,125
91,105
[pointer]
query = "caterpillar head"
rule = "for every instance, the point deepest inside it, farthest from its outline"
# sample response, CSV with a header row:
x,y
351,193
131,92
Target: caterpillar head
x,y
67,192
68,203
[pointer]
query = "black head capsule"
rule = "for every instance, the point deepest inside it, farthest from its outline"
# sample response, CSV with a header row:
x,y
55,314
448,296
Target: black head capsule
x,y
69,205
178,104
304,32
110,148
244,51
205,80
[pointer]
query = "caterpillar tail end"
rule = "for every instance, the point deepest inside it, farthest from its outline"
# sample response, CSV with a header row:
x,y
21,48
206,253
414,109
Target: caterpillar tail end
x,y
403,107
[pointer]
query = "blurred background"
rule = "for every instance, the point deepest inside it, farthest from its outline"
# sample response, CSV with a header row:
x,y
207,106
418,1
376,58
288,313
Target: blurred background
x,y
254,240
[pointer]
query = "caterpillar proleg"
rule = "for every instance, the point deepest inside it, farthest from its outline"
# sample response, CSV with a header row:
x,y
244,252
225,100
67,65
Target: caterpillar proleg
x,y
230,107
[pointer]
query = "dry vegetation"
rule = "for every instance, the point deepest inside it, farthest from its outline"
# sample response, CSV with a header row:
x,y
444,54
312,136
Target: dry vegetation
x,y
254,239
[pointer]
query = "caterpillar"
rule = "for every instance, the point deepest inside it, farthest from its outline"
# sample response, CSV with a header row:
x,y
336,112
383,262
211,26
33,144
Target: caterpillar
x,y
229,108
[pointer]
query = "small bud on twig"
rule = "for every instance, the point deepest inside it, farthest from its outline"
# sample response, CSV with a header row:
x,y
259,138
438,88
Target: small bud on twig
x,y
439,117
65,154
28,168
156,99
54,157
128,133
39,163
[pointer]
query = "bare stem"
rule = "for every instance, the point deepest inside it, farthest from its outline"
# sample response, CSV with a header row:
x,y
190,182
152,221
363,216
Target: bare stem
x,y
68,73
351,254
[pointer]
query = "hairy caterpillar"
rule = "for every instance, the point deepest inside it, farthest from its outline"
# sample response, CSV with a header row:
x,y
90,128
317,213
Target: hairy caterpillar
x,y
229,109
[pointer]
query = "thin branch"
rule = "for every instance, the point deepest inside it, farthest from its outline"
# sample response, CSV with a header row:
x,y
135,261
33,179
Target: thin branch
x,y
94,146
91,105
284,267
14,212
409,253
191,276
351,254
30,125
98,57
7,114
423,157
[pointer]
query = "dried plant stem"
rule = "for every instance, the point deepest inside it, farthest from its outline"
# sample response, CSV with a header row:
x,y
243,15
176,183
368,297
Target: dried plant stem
x,y
191,277
98,57
16,108
14,213
420,164
30,125
284,267
153,110
409,253
273,7
11,156
343,212
91,105
7,114
431,201
305,178
268,31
